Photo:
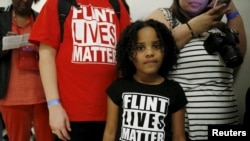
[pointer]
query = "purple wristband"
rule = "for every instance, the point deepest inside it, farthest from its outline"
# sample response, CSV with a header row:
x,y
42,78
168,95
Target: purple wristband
x,y
233,15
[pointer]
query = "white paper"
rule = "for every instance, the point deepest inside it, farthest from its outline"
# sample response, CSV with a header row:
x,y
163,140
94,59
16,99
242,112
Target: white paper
x,y
15,41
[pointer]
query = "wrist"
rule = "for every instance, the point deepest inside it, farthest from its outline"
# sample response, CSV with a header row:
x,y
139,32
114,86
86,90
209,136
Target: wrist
x,y
190,29
53,102
233,15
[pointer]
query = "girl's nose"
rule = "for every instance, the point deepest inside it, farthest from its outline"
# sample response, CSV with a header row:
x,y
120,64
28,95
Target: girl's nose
x,y
149,51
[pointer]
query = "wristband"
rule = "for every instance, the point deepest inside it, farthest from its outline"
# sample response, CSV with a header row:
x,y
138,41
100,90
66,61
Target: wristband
x,y
53,102
233,15
190,29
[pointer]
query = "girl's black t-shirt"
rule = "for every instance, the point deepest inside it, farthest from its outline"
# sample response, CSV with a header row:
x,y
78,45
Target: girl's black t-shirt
x,y
145,110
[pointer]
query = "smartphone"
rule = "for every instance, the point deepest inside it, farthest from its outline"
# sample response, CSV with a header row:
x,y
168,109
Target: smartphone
x,y
218,2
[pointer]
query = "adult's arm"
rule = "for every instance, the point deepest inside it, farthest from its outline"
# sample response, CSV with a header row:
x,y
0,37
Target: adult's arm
x,y
198,24
237,24
59,121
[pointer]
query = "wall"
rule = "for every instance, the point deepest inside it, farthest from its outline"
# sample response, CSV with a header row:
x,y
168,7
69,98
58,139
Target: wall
x,y
140,8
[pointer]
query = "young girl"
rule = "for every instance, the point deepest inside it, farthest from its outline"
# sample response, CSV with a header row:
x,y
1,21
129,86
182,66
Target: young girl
x,y
143,104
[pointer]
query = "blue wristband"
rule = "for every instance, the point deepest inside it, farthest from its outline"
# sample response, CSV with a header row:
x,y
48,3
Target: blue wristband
x,y
53,102
233,15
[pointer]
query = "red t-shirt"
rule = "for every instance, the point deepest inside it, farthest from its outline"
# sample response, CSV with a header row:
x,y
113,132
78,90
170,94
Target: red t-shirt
x,y
86,58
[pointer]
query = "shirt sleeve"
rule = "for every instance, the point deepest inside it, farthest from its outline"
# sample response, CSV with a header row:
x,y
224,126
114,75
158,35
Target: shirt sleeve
x,y
180,99
114,92
46,28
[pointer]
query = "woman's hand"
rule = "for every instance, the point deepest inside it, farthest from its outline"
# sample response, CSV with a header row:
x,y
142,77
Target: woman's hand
x,y
59,122
208,20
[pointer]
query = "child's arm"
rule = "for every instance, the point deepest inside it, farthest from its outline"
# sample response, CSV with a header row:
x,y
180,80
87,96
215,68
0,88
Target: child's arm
x,y
178,125
111,122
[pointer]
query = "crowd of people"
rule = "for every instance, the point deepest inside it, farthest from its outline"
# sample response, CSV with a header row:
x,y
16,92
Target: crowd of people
x,y
107,78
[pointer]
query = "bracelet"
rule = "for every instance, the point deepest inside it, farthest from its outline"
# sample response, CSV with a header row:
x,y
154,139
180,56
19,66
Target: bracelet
x,y
190,29
233,15
53,102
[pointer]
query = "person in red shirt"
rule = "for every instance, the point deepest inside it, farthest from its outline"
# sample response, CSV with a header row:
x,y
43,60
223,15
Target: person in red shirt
x,y
22,102
76,72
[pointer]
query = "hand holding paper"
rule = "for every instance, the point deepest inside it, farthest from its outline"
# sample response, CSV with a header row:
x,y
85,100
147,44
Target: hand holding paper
x,y
15,41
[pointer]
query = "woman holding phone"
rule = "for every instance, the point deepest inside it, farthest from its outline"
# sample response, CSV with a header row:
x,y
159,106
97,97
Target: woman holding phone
x,y
205,77
218,2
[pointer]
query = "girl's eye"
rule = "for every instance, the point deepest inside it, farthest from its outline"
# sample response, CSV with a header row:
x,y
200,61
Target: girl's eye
x,y
139,47
157,46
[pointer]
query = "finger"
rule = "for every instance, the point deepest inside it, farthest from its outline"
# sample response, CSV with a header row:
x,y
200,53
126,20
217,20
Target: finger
x,y
11,33
54,132
211,4
64,134
216,9
68,125
59,135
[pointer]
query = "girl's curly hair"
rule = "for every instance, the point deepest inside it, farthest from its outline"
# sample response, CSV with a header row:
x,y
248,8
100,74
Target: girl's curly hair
x,y
128,38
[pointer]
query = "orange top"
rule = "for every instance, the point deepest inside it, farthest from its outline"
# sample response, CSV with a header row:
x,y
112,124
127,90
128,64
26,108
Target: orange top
x,y
24,86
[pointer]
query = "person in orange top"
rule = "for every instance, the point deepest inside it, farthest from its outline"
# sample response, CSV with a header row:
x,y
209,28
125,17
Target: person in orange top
x,y
22,102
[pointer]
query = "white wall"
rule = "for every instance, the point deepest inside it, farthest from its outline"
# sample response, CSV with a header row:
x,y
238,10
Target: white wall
x,y
243,78
5,3
140,8
36,7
